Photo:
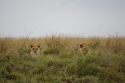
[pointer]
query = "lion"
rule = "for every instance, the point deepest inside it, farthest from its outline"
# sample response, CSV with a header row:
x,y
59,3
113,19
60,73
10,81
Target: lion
x,y
35,50
83,48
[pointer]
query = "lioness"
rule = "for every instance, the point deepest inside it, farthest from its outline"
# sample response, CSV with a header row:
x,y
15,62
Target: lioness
x,y
83,48
35,50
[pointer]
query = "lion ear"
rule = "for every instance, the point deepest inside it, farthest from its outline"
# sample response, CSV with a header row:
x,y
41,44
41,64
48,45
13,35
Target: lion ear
x,y
81,45
31,45
38,46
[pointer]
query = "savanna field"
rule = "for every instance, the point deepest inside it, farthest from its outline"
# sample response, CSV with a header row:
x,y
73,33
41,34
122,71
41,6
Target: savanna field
x,y
61,62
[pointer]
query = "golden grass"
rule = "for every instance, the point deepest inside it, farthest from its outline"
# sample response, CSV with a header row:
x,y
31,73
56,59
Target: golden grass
x,y
12,45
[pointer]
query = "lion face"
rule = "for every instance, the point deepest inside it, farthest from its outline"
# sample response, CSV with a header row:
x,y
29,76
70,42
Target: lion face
x,y
83,48
35,50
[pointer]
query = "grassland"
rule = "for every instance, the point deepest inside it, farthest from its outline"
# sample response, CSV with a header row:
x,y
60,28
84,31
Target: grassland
x,y
60,62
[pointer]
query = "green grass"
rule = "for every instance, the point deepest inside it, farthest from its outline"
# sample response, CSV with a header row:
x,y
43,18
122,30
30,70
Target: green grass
x,y
60,62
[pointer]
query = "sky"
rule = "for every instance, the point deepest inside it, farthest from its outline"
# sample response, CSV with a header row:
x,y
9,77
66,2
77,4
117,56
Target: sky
x,y
38,18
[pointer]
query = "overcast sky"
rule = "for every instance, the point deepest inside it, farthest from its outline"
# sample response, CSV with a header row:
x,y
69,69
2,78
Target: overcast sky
x,y
36,18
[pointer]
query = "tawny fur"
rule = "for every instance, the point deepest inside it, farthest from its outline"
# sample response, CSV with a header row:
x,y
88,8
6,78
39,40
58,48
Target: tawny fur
x,y
83,48
35,50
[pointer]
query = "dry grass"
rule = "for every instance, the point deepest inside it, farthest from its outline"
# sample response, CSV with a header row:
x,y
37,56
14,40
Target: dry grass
x,y
60,62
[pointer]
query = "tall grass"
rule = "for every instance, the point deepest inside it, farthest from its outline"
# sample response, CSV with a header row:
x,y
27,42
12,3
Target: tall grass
x,y
60,62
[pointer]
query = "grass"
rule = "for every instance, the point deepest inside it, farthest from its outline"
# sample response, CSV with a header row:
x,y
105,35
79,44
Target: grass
x,y
60,62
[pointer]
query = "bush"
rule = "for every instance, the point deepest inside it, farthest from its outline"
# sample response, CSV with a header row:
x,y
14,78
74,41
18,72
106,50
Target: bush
x,y
52,51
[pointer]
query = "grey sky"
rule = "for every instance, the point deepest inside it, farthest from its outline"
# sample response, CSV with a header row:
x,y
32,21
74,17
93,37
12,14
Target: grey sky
x,y
68,17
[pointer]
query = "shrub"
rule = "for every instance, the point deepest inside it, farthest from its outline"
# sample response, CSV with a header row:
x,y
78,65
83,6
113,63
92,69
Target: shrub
x,y
52,51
